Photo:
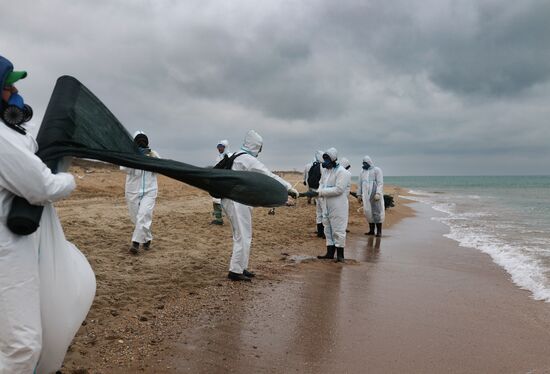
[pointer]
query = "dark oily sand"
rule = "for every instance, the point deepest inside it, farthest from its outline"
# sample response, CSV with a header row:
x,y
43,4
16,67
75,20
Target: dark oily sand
x,y
412,302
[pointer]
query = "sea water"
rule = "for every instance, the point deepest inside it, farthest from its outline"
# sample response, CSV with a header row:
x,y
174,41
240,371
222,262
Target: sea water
x,y
505,217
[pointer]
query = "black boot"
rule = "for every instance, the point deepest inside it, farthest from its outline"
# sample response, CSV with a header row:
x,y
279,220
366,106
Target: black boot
x,y
134,248
379,230
320,231
330,253
371,229
339,254
249,274
238,277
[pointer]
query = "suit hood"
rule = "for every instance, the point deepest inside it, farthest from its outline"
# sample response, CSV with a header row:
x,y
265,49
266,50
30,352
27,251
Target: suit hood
x,y
252,143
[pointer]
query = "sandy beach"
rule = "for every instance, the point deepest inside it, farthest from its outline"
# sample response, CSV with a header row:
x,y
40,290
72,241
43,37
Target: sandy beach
x,y
411,302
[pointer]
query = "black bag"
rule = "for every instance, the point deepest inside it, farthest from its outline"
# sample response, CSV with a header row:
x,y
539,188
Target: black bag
x,y
314,175
227,162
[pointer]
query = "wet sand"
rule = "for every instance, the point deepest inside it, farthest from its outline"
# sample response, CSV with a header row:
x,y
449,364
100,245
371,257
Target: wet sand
x,y
144,303
412,302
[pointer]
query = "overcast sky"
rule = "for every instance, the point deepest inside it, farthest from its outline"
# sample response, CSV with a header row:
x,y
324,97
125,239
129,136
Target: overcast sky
x,y
426,87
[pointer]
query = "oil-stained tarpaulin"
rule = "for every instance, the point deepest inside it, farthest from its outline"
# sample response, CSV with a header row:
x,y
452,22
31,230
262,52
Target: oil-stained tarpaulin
x,y
78,124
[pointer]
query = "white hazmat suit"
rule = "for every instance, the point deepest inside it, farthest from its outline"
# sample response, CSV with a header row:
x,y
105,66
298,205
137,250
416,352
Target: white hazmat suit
x,y
318,207
141,193
240,215
344,162
371,191
22,173
333,191
217,212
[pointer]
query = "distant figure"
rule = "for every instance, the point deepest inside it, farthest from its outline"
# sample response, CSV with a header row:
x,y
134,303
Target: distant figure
x,y
371,192
312,176
306,172
240,215
344,162
217,203
316,163
141,194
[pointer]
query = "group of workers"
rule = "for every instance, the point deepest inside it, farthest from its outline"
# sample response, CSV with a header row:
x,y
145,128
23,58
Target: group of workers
x,y
329,183
23,174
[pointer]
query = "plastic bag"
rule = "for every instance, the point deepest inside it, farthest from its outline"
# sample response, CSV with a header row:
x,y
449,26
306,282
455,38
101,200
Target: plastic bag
x,y
67,290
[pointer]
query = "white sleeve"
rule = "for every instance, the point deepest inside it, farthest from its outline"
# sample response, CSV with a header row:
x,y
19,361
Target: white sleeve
x,y
379,181
258,167
342,181
24,174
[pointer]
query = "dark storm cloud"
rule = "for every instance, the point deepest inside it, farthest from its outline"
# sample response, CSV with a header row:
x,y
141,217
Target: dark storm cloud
x,y
455,87
469,47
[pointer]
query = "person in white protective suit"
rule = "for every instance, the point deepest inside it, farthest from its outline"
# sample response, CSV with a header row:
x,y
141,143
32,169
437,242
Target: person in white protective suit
x,y
240,215
333,193
370,192
23,174
306,173
312,175
316,161
141,194
217,203
344,162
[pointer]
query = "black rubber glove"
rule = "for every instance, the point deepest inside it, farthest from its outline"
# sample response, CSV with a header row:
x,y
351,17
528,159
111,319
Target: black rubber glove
x,y
309,194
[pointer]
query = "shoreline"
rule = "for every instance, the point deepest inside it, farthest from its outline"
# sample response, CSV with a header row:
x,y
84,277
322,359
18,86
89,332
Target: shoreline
x,y
405,307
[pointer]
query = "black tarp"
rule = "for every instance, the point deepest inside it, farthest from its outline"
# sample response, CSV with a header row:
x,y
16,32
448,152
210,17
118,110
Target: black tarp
x,y
78,124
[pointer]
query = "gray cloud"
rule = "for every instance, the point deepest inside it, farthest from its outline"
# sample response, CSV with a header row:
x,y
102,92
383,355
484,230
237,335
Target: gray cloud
x,y
425,87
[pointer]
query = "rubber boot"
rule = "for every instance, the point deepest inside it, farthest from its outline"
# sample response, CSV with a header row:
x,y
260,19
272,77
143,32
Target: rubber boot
x,y
134,248
320,231
236,277
339,254
378,230
371,229
147,245
330,253
249,274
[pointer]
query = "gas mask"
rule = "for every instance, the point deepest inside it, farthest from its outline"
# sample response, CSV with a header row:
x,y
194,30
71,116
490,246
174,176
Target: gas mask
x,y
327,162
142,142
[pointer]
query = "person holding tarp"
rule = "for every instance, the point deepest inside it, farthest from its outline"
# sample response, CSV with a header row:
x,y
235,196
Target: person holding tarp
x,y
333,193
217,203
23,174
141,194
240,215
370,191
